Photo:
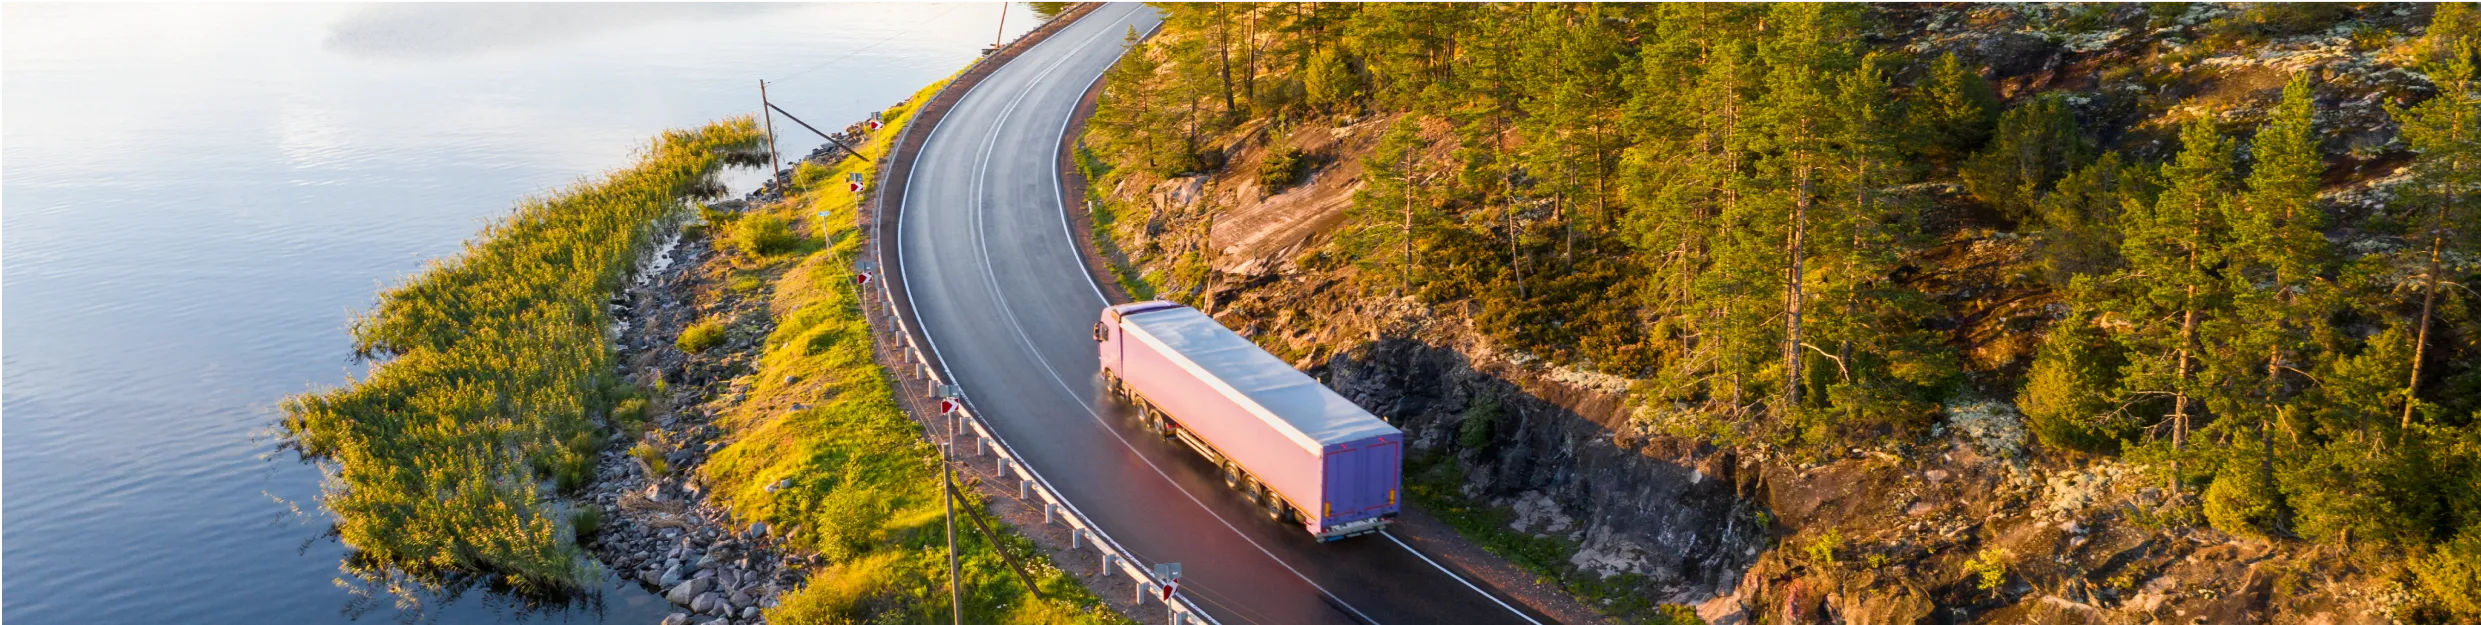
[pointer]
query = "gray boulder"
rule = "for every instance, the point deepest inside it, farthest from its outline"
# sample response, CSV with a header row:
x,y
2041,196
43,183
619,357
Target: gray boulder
x,y
686,592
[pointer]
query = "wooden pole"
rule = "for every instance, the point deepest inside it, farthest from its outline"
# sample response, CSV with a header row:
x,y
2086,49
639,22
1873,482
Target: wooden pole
x,y
1003,27
947,485
763,109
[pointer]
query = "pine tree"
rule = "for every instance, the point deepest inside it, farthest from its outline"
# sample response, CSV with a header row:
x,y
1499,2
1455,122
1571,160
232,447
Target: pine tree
x,y
2445,134
2172,246
2276,268
1387,219
1952,110
2034,144
2080,217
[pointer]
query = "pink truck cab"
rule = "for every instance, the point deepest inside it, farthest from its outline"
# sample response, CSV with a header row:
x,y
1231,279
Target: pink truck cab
x,y
1299,451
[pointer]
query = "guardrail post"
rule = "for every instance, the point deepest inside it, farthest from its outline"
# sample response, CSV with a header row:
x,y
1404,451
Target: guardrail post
x,y
1046,522
982,445
1074,536
1022,484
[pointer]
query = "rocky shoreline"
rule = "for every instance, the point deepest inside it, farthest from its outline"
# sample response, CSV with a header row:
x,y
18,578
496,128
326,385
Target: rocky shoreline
x,y
658,528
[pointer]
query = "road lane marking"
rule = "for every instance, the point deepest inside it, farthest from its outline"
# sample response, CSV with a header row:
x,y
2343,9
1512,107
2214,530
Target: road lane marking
x,y
1019,330
1017,327
1094,283
1459,578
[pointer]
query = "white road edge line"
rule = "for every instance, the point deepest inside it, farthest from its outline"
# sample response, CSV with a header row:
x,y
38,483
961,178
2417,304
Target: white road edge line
x,y
990,279
935,354
1459,578
1096,282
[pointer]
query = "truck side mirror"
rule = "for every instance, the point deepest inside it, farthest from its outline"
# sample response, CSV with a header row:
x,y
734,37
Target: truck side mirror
x,y
1100,334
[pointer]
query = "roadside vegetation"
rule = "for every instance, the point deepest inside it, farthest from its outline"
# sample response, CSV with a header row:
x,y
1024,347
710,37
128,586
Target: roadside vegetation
x,y
820,448
1760,215
492,387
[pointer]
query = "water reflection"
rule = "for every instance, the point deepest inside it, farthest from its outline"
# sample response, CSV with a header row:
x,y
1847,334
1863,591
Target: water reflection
x,y
401,31
198,199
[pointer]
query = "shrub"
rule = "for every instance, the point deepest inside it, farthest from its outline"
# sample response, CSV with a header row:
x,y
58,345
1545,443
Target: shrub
x,y
1332,83
629,413
2241,501
1281,169
2067,393
1481,416
700,336
1822,550
653,459
763,235
2451,573
586,522
1989,567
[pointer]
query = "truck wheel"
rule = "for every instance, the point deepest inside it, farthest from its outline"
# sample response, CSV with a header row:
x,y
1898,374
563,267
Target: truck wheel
x,y
1276,510
1232,479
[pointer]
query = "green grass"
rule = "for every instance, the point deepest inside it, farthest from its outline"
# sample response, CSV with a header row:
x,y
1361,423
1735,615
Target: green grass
x,y
492,376
701,336
863,488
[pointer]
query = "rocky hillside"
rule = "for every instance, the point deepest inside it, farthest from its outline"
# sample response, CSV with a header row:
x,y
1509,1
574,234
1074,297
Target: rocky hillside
x,y
1468,235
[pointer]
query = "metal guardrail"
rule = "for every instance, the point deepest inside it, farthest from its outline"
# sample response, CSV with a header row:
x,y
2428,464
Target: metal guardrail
x,y
923,364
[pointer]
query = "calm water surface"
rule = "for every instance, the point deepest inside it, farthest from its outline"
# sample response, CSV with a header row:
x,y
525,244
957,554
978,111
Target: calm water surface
x,y
195,199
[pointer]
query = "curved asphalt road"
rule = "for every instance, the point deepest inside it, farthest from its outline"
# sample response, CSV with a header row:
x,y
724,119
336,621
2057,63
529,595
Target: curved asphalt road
x,y
998,287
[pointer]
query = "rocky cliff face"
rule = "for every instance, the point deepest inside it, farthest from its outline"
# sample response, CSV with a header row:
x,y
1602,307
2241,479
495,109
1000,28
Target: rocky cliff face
x,y
1564,460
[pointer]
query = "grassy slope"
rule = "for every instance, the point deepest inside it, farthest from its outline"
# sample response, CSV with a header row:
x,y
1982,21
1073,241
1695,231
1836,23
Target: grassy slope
x,y
863,487
496,371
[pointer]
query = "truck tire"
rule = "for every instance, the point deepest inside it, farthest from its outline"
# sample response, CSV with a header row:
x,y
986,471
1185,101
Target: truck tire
x,y
1232,479
1276,510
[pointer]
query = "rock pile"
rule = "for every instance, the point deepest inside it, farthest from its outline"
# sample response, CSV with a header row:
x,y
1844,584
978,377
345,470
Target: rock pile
x,y
659,528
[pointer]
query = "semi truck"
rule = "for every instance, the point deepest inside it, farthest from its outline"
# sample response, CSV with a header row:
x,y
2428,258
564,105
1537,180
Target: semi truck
x,y
1294,448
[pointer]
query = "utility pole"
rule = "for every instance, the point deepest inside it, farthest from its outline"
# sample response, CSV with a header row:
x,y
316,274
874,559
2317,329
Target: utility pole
x,y
947,488
764,109
1003,27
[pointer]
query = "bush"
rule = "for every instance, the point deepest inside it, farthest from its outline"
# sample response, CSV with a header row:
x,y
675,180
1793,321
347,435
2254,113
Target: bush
x,y
2067,394
1481,417
2451,573
1823,549
586,522
700,336
1990,567
629,413
1332,82
2241,501
763,235
646,453
1281,169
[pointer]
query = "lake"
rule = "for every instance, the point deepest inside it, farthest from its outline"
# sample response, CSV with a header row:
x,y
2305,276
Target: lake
x,y
196,199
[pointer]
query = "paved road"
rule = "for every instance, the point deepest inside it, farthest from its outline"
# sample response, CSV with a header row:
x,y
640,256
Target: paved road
x,y
997,286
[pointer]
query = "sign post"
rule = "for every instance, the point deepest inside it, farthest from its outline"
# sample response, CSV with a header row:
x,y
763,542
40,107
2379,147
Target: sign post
x,y
1169,572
